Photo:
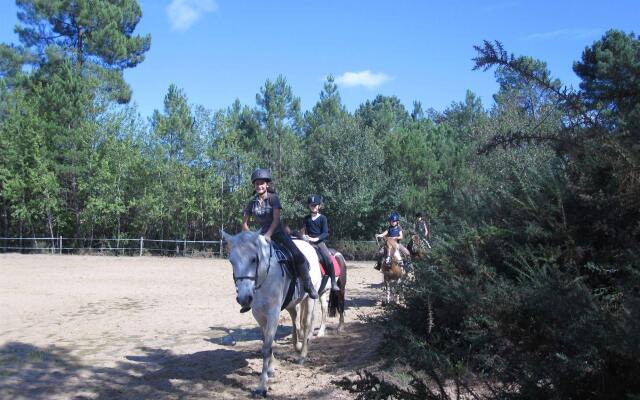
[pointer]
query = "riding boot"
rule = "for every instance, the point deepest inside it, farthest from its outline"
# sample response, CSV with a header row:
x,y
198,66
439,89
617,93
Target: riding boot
x,y
334,286
307,285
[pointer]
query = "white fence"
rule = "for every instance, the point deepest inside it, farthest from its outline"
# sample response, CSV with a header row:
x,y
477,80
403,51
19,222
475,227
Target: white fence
x,y
128,246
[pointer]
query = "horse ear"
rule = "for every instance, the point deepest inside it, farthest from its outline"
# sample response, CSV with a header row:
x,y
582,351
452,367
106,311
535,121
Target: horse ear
x,y
227,237
255,235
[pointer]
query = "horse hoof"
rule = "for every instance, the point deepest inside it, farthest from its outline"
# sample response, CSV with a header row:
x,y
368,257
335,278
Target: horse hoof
x,y
298,347
271,374
259,393
301,361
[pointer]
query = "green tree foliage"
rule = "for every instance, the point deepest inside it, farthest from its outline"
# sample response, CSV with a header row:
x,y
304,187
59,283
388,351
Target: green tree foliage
x,y
383,114
30,192
96,35
233,158
175,127
530,291
65,103
278,144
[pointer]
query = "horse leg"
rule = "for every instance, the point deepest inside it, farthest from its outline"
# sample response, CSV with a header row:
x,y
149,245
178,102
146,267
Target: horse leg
x,y
295,328
269,332
387,290
341,311
324,307
306,320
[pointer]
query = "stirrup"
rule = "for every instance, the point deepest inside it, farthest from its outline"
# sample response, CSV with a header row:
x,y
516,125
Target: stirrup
x,y
335,287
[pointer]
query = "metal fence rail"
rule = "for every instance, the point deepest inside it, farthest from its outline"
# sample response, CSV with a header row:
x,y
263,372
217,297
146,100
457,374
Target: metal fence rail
x,y
352,249
125,246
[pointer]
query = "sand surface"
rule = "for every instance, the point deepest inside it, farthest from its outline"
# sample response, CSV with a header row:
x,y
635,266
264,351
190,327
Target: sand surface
x,y
95,327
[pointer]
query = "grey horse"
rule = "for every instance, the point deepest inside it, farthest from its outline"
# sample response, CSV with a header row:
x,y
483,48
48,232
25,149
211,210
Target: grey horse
x,y
262,284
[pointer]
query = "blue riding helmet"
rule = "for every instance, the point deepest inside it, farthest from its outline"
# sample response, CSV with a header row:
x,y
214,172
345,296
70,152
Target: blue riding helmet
x,y
394,217
313,199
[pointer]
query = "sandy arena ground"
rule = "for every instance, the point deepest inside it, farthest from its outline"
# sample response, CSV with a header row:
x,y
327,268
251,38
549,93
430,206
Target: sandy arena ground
x,y
94,327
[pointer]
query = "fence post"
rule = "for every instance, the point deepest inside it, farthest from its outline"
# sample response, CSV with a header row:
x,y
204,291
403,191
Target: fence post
x,y
184,248
221,248
141,245
60,244
53,247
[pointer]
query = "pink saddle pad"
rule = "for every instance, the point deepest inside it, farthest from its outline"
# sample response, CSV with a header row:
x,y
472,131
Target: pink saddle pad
x,y
336,267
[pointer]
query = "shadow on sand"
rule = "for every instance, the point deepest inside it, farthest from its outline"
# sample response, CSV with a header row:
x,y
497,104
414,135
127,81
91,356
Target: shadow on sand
x,y
231,336
31,372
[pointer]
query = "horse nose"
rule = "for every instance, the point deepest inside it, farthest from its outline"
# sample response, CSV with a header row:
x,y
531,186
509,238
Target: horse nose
x,y
244,301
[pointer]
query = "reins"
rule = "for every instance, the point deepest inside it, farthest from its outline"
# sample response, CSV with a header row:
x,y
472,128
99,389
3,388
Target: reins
x,y
255,276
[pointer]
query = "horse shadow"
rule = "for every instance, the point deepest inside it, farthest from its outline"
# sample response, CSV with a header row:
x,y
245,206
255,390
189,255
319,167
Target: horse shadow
x,y
231,336
360,302
29,371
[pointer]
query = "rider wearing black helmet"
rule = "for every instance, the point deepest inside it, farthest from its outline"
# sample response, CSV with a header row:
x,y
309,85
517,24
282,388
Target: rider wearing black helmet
x,y
422,229
265,207
394,232
315,228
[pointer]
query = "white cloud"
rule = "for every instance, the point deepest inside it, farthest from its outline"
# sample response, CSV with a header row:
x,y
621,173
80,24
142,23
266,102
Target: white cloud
x,y
566,33
363,78
184,13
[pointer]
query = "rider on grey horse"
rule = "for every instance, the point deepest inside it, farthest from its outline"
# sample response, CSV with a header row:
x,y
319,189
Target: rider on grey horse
x,y
265,207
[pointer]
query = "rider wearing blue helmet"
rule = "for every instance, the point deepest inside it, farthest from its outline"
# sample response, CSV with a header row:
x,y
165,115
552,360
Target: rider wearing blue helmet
x,y
394,232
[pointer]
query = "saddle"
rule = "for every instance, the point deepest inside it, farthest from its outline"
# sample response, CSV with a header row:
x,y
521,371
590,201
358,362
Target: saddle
x,y
285,259
336,264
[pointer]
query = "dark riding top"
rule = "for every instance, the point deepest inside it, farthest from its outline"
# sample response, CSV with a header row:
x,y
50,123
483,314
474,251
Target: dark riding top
x,y
262,211
421,227
318,228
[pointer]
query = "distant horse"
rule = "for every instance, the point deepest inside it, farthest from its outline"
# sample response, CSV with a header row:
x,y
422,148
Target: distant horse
x,y
392,273
262,283
334,301
417,247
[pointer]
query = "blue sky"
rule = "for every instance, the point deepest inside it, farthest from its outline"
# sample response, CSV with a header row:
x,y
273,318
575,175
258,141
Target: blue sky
x,y
220,50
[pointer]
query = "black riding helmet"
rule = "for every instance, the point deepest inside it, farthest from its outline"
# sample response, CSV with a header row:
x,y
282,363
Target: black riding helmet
x,y
313,199
261,173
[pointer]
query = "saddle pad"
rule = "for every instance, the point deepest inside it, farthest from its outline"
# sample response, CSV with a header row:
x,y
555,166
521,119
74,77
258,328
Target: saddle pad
x,y
284,257
336,266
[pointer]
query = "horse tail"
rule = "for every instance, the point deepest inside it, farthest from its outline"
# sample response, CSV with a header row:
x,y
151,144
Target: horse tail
x,y
337,299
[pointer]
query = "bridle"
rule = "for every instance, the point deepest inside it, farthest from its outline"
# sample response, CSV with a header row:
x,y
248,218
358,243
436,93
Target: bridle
x,y
255,276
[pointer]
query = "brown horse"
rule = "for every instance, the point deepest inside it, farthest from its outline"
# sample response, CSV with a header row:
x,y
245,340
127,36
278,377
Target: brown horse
x,y
417,248
392,273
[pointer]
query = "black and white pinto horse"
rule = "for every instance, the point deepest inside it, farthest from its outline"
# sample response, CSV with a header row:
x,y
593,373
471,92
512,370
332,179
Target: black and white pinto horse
x,y
263,284
333,302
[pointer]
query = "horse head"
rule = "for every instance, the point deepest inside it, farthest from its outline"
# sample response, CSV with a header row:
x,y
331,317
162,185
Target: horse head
x,y
248,252
393,271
